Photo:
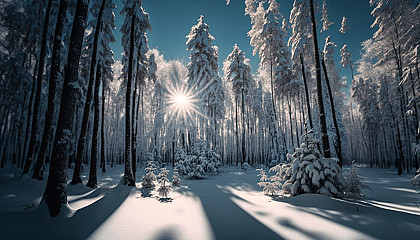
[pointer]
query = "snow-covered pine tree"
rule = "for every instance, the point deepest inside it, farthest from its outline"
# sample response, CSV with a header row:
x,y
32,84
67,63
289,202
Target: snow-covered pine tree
x,y
237,70
149,178
134,41
326,23
309,172
346,59
203,77
344,27
270,185
354,183
300,44
164,188
176,181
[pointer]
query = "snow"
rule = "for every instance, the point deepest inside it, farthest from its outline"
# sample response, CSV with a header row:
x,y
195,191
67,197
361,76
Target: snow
x,y
227,206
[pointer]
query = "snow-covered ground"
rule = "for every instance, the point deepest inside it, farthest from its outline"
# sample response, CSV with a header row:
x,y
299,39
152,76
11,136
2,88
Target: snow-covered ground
x,y
228,206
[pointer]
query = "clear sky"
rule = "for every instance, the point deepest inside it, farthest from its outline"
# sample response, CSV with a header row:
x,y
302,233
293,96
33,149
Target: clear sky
x,y
172,20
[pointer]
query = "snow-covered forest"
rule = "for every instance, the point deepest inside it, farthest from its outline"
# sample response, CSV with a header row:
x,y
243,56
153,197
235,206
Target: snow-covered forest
x,y
211,147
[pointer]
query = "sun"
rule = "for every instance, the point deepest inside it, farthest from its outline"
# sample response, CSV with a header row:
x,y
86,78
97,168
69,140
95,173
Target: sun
x,y
181,104
181,99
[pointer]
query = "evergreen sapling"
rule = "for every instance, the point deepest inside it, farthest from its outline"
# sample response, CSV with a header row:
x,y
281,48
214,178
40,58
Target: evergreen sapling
x,y
176,181
150,177
164,183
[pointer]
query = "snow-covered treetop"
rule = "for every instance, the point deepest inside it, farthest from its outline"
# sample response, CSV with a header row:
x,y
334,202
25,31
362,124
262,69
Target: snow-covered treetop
x,y
345,56
300,23
237,70
199,37
344,26
326,23
329,49
203,68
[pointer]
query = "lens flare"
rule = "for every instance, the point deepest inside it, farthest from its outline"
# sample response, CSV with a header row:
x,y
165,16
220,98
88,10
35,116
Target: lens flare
x,y
182,104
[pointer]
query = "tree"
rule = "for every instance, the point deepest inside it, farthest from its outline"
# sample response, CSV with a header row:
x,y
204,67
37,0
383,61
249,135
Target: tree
x,y
326,23
134,16
344,26
300,45
237,70
203,76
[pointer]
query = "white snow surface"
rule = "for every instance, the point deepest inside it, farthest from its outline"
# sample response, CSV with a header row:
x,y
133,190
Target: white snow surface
x,y
227,206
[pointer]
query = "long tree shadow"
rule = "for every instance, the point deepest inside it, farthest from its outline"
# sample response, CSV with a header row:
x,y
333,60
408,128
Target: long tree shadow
x,y
80,226
390,224
227,219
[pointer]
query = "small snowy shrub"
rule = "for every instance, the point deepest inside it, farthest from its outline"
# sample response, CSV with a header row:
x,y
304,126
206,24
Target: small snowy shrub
x,y
198,163
246,167
308,172
164,183
176,181
150,177
416,179
355,184
270,185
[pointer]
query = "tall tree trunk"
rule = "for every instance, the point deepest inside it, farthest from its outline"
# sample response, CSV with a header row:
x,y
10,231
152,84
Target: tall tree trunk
x,y
55,194
308,104
128,174
37,104
94,153
243,126
322,121
86,111
338,148
133,127
103,128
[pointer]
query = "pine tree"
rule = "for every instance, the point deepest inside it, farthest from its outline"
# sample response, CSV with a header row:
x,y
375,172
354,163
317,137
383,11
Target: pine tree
x,y
354,183
344,26
164,183
237,70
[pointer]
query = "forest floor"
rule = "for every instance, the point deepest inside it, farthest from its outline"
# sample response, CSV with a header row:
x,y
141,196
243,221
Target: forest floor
x,y
227,206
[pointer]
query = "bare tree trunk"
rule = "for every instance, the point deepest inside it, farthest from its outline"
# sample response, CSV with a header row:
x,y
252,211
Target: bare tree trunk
x,y
323,123
128,174
103,128
308,105
338,149
92,182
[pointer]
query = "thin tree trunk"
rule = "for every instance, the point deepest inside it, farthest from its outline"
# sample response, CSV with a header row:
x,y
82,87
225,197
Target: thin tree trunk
x,y
103,128
337,130
92,182
308,105
323,123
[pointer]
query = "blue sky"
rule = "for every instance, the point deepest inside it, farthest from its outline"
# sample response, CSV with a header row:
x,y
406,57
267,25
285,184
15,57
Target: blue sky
x,y
172,20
